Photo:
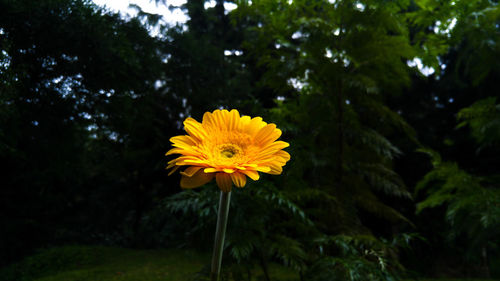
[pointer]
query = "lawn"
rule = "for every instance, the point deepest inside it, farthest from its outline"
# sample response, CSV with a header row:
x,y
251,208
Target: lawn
x,y
83,263
450,279
95,263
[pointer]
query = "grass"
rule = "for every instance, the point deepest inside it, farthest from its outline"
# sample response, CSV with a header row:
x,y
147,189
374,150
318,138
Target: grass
x,y
87,263
83,263
450,279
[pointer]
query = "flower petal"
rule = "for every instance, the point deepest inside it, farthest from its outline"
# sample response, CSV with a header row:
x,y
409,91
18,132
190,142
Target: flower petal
x,y
268,134
194,128
275,169
183,151
174,150
272,148
255,125
243,124
264,169
223,181
254,175
210,170
219,120
183,141
198,179
276,145
284,155
173,170
190,171
207,120
181,160
239,179
233,120
195,161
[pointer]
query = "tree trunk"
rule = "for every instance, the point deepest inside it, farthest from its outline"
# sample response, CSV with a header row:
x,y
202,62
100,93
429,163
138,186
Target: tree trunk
x,y
340,131
263,264
485,268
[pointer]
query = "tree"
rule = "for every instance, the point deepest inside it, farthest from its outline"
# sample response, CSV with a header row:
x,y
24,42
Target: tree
x,y
79,106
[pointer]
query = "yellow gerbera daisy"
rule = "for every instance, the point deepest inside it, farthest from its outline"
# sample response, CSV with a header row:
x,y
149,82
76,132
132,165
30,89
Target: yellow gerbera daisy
x,y
229,148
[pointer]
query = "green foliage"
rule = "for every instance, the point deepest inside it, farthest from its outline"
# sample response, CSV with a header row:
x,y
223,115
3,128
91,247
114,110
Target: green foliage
x,y
264,224
472,203
478,31
261,227
483,118
360,257
83,130
334,64
439,26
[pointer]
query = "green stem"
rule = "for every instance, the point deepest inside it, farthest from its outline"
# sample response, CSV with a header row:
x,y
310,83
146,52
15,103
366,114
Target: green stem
x,y
220,233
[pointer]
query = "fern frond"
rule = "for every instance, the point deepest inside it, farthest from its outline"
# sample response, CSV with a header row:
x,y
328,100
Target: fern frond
x,y
374,141
279,199
384,179
483,118
369,202
289,251
435,157
360,257
389,117
241,247
200,202
471,208
443,183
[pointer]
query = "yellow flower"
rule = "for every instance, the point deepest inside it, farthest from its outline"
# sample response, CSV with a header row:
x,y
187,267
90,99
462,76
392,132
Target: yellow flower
x,y
229,148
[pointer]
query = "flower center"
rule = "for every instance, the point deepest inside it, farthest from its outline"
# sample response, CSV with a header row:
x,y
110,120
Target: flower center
x,y
229,151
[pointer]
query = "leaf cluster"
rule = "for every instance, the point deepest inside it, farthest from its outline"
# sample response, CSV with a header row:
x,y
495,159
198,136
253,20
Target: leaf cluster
x,y
471,202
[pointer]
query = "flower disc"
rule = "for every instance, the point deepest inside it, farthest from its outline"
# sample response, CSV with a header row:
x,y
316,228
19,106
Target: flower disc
x,y
229,148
